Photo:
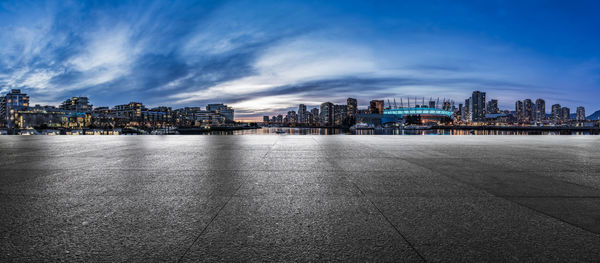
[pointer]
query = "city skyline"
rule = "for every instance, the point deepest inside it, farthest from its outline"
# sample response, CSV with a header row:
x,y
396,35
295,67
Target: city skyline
x,y
268,57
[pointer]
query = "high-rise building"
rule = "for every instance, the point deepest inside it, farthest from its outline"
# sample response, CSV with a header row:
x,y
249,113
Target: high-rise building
x,y
266,119
78,104
527,110
352,107
580,113
376,106
519,111
478,106
492,106
565,114
327,114
339,114
302,113
292,117
315,116
540,110
10,104
556,112
446,105
466,114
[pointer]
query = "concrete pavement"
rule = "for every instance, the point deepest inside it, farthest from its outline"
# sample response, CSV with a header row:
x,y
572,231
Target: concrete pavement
x,y
300,198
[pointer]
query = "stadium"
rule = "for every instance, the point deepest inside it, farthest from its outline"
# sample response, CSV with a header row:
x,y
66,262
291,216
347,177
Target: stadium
x,y
416,115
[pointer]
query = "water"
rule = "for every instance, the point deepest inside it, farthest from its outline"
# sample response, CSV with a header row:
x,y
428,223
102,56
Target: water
x,y
336,131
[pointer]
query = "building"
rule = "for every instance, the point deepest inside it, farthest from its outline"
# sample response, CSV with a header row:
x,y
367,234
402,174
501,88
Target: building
x,y
77,104
327,114
265,119
492,107
351,108
376,106
447,105
565,114
291,117
339,114
432,104
10,104
527,111
478,106
208,118
556,112
103,117
540,110
580,113
302,114
466,114
315,116
221,109
418,115
130,114
519,111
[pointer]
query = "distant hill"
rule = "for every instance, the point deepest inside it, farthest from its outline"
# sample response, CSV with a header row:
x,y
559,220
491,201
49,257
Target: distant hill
x,y
594,116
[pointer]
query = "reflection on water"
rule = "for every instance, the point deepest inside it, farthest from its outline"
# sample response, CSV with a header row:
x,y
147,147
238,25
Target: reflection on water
x,y
333,131
285,130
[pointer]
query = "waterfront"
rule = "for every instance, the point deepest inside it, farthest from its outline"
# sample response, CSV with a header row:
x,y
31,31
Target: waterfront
x,y
299,198
337,131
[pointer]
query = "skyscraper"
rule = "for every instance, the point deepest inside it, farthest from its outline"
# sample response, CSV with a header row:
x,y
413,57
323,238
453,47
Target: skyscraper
x,y
478,106
327,114
352,107
580,113
540,110
519,110
315,115
376,106
292,117
339,114
466,115
565,114
527,110
492,106
556,112
302,113
447,105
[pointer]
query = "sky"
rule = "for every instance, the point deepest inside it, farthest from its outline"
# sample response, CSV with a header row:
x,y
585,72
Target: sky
x,y
266,57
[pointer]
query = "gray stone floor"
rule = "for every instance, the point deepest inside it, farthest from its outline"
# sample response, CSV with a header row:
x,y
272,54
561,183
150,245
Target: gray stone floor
x,y
300,198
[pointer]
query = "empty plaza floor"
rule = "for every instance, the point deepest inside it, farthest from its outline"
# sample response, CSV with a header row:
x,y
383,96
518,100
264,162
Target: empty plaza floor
x,y
300,198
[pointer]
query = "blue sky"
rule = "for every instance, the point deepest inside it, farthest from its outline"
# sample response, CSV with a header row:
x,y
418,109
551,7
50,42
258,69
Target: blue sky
x,y
264,57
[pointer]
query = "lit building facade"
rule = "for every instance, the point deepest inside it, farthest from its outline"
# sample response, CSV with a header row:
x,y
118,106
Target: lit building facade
x,y
556,112
77,104
580,113
376,106
540,110
478,106
327,114
519,111
10,105
527,111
